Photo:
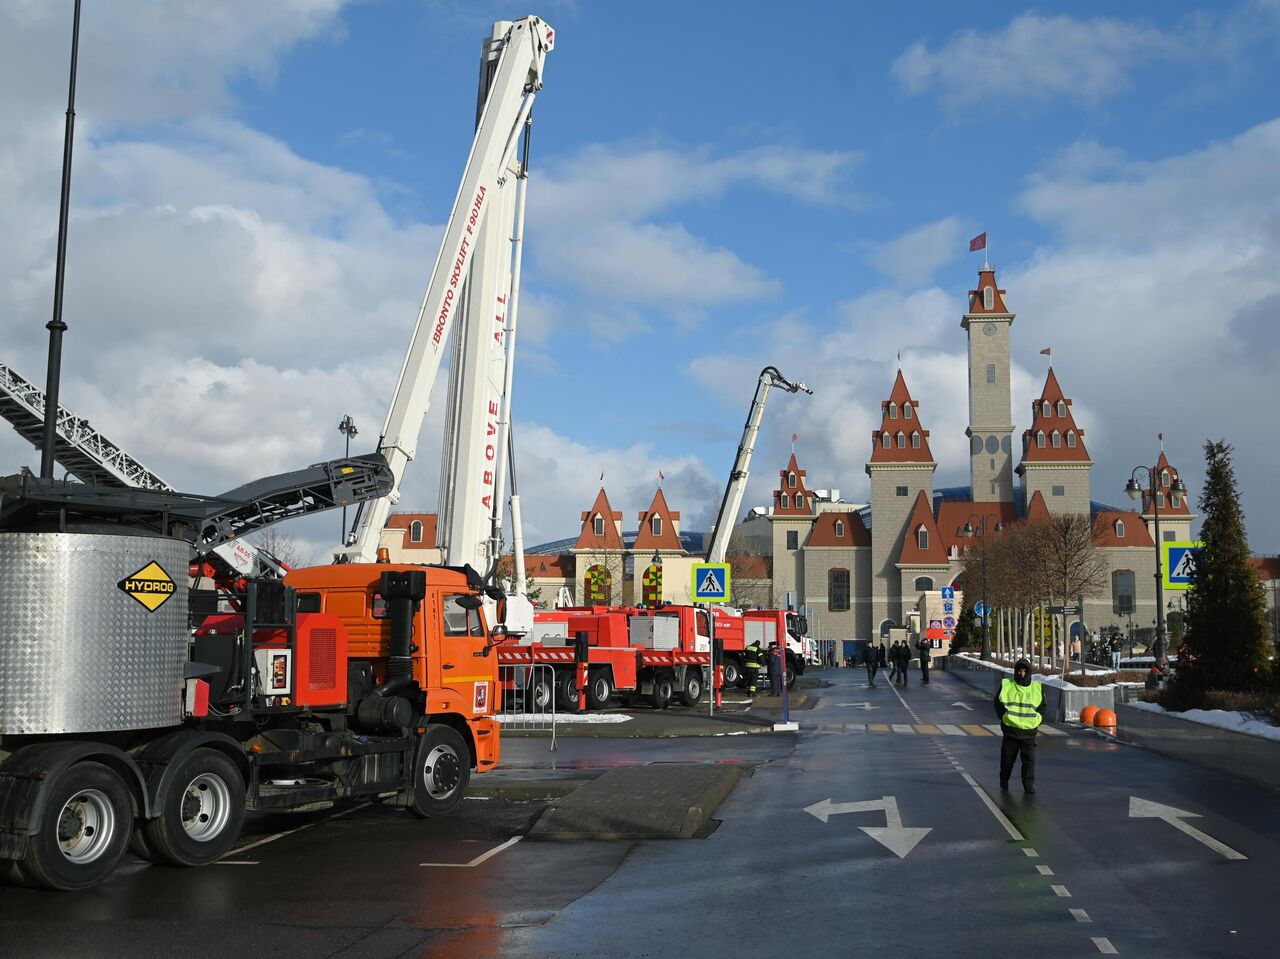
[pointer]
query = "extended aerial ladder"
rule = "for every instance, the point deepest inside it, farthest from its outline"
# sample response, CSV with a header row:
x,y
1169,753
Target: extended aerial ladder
x,y
731,502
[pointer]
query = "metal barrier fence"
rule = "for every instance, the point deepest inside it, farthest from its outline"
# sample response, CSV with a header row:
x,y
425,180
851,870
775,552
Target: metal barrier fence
x,y
528,699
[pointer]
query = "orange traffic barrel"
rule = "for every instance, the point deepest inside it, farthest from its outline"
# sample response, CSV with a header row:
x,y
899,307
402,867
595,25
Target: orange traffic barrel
x,y
1105,720
1088,714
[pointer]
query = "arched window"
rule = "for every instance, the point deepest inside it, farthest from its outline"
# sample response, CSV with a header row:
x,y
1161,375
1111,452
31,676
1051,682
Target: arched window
x,y
1047,409
924,583
1159,497
799,500
906,411
597,525
922,538
415,532
656,524
989,298
915,440
791,480
887,440
902,441
1164,477
786,501
1062,408
1119,529
1071,439
1040,439
1176,500
1057,439
840,527
893,411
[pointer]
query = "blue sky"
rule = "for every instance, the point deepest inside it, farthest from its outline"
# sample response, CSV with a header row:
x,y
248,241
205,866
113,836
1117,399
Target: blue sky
x,y
260,189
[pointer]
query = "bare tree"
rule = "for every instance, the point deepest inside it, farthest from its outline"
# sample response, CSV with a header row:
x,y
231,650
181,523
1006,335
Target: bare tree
x,y
1067,562
283,546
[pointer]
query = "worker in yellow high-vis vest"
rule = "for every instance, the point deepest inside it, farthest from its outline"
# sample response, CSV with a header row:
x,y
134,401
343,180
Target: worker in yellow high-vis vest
x,y
1020,706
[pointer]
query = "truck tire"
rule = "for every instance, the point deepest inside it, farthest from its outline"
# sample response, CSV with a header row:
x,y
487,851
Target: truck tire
x,y
441,771
200,813
732,674
663,690
599,690
791,676
538,695
567,690
691,691
85,829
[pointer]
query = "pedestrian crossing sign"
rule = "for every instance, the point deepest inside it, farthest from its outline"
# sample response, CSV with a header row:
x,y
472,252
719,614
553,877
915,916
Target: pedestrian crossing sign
x,y
1179,560
711,582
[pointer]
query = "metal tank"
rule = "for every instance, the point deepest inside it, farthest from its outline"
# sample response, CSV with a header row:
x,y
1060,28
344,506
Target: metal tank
x,y
93,632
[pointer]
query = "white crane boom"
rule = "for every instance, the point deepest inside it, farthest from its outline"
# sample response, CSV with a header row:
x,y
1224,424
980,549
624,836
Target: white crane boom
x,y
474,257
737,485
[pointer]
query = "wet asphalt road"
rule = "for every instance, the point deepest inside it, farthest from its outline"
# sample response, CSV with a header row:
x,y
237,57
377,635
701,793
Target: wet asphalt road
x,y
1068,873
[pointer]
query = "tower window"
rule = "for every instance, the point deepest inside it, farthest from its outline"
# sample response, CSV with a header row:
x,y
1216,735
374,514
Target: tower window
x,y
893,411
1057,439
656,524
989,298
1071,439
1040,439
922,538
924,583
900,491
597,525
793,539
1176,500
415,532
1119,529
1059,491
886,439
785,500
838,590
840,527
1062,408
902,441
1159,498
906,411
991,372
1168,535
993,487
1047,409
791,480
799,500
915,440
1164,477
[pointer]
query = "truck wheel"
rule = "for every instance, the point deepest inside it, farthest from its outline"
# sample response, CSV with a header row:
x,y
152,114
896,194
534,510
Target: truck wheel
x,y
663,690
567,690
200,814
791,676
537,695
691,691
599,690
85,829
441,771
732,674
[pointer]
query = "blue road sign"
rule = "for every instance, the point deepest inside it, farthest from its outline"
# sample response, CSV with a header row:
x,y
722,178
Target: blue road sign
x,y
1178,564
711,582
979,609
948,592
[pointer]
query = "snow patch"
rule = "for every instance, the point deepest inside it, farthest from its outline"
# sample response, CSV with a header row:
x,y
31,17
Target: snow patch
x,y
1235,722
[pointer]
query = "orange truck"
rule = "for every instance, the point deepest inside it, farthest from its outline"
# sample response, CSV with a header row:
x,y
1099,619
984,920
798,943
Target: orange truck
x,y
642,655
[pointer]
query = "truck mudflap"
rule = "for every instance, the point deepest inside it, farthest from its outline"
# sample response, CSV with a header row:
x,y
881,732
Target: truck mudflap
x,y
27,775
488,742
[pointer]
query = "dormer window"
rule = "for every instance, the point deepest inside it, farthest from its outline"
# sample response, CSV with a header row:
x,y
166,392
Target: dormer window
x,y
989,298
1177,501
1071,439
886,440
1119,529
1062,408
840,527
1159,498
785,501
791,480
922,538
1164,477
799,500
906,411
893,411
415,532
1047,409
902,440
1057,439
656,524
597,525
915,440
1040,439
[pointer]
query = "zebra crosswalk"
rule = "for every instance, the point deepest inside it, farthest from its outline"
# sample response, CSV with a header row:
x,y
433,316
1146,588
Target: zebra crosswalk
x,y
921,729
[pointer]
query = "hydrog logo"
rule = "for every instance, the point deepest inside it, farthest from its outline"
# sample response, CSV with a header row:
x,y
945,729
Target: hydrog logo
x,y
151,586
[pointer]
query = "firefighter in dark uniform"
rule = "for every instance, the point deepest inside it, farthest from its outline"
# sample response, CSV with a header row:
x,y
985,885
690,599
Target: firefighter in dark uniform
x,y
752,660
1020,705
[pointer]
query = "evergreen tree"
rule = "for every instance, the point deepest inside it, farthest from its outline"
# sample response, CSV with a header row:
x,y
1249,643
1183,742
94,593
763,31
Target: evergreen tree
x,y
968,631
1227,634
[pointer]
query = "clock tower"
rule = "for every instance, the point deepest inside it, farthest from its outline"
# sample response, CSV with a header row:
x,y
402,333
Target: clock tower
x,y
990,429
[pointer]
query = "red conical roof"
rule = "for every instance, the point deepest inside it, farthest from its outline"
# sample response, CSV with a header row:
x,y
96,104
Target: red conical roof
x,y
900,421
912,555
668,539
1056,418
789,499
610,538
1165,475
978,297
1037,509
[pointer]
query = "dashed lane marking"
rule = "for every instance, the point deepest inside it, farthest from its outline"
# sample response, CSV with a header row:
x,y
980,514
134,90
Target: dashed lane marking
x,y
1104,946
1079,915
975,730
1030,853
290,832
1044,870
1061,892
478,860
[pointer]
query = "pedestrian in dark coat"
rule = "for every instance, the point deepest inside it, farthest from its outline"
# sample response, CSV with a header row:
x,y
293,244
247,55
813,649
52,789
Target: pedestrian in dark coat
x,y
904,659
881,661
893,662
872,663
923,647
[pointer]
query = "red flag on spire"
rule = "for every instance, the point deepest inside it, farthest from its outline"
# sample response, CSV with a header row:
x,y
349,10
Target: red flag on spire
x,y
979,242
794,437
1046,351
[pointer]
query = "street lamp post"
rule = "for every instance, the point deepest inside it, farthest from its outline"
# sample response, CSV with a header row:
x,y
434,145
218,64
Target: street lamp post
x,y
968,532
348,429
1154,490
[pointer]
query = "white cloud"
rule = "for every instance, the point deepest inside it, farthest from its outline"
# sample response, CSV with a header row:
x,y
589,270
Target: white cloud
x,y
1036,57
914,257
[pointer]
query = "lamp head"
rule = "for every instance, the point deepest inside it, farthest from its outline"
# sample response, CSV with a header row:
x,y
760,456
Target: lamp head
x,y
967,530
1132,488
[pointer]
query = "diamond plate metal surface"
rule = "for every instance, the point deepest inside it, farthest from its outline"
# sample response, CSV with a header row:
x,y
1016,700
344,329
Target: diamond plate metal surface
x,y
77,654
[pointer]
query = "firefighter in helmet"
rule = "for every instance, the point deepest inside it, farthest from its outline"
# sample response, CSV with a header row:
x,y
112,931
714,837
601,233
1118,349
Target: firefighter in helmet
x,y
752,660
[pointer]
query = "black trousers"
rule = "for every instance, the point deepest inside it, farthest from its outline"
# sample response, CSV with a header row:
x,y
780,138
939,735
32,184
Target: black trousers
x,y
871,673
1010,748
924,670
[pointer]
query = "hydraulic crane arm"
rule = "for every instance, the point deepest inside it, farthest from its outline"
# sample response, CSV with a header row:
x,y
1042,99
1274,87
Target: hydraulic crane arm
x,y
737,485
481,195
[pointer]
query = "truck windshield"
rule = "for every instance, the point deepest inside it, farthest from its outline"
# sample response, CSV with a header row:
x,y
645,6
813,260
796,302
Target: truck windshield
x,y
797,625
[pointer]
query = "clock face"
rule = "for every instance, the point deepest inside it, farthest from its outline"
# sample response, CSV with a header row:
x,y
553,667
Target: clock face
x,y
989,330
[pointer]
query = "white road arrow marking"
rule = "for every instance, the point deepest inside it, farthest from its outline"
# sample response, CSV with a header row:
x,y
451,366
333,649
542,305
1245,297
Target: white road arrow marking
x,y
962,706
894,836
859,705
1145,809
